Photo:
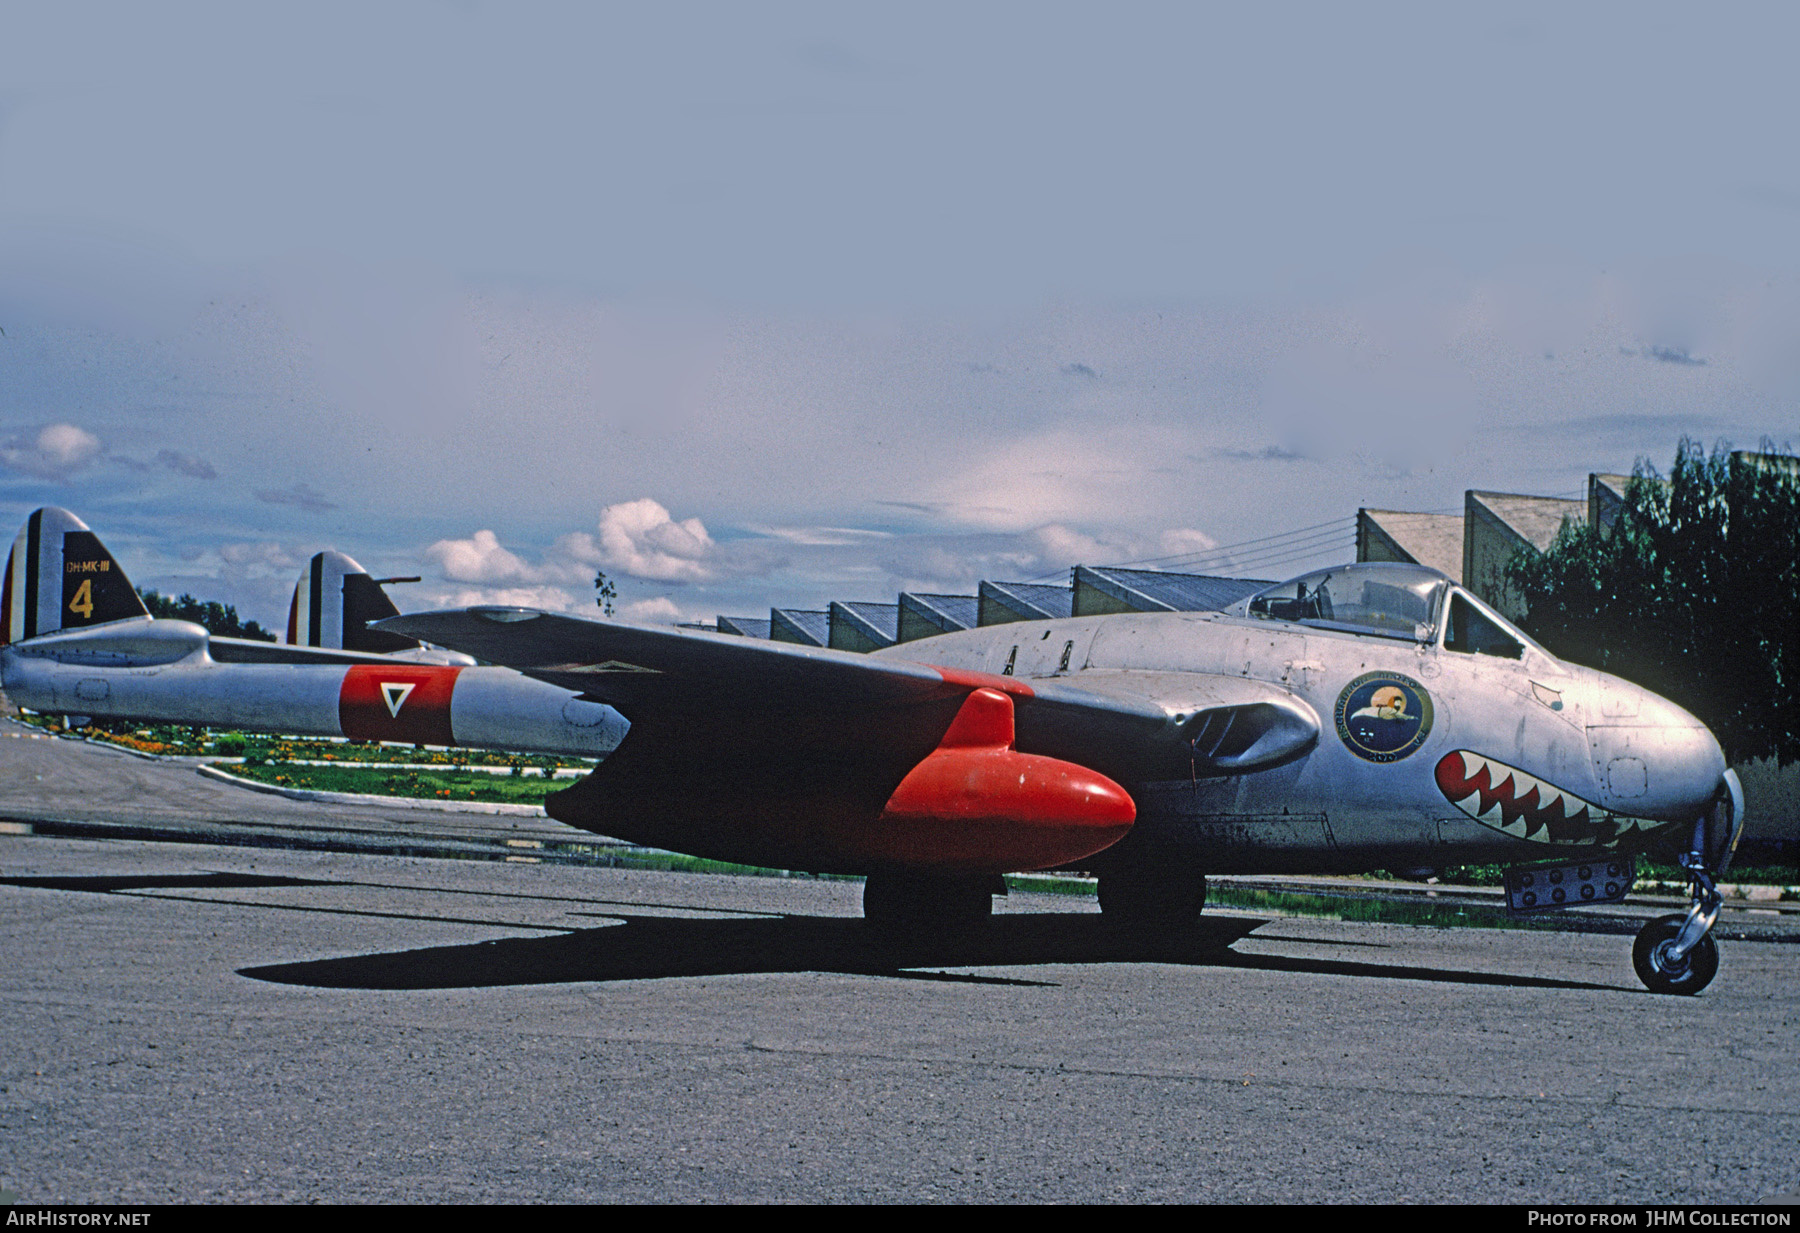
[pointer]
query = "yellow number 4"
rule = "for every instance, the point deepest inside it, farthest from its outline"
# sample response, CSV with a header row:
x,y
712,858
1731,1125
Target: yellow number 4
x,y
83,603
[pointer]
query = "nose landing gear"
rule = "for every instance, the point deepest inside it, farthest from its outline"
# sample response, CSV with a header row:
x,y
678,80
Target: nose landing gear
x,y
1676,953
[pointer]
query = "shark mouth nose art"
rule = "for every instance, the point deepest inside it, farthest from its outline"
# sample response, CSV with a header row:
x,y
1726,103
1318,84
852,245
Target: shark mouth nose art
x,y
1524,806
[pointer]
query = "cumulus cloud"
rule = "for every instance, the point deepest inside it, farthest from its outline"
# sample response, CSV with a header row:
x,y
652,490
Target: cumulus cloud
x,y
186,464
642,539
553,599
1186,541
300,495
481,559
660,609
53,452
1057,545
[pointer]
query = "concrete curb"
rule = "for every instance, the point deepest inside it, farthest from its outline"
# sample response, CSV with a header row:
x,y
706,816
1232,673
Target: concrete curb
x,y
365,798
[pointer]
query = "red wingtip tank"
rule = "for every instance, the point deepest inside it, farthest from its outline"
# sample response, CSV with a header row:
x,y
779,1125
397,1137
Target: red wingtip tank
x,y
976,803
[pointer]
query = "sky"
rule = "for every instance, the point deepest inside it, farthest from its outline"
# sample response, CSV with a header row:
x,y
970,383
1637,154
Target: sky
x,y
786,303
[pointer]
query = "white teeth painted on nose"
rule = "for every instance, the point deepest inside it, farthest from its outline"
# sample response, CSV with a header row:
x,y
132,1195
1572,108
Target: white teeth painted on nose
x,y
1521,805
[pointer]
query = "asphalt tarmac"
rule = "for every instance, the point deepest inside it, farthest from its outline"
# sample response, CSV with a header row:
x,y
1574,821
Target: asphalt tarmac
x,y
198,1022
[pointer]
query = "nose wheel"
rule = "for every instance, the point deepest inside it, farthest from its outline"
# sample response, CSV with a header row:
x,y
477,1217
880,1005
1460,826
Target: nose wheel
x,y
1664,971
1676,953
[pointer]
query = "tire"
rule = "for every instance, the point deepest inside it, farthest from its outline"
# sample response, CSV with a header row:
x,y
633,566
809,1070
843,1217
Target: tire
x,y
1693,976
1162,900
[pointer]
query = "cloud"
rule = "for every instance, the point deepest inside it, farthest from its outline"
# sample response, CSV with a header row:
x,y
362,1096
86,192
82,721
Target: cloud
x,y
266,553
1082,477
1186,541
480,559
552,599
1268,453
1057,545
954,563
186,464
660,609
1666,355
53,452
640,538
823,536
300,495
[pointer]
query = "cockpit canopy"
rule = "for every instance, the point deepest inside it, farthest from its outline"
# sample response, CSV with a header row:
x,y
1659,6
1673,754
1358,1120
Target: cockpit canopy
x,y
1390,600
1385,599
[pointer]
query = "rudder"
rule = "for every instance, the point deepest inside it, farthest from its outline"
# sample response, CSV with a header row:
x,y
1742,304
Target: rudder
x,y
333,603
60,576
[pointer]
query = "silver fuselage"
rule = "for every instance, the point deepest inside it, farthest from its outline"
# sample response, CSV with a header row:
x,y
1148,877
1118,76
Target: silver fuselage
x,y
1612,744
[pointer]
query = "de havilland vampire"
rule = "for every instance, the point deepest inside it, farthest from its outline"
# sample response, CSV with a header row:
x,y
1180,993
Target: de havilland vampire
x,y
1368,716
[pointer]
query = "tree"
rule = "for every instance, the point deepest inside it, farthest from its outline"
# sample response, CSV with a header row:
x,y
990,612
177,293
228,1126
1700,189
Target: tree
x,y
221,619
607,593
1692,593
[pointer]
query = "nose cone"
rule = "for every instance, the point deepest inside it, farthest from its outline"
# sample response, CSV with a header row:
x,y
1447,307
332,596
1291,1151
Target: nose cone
x,y
1652,759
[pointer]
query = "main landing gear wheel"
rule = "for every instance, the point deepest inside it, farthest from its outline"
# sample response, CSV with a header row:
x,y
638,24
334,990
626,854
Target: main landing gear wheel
x,y
1653,956
910,905
1146,900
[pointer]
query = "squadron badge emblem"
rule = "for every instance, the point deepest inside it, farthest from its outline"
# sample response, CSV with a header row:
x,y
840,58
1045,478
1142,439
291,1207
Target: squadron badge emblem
x,y
1383,716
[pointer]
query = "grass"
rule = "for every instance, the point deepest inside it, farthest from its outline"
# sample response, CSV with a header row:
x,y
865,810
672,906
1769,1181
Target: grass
x,y
1351,908
182,740
448,784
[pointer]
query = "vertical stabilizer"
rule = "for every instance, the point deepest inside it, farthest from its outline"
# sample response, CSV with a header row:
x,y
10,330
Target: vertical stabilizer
x,y
60,576
333,603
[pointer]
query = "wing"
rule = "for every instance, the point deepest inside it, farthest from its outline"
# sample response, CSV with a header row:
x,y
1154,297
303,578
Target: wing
x,y
1135,725
1184,722
661,668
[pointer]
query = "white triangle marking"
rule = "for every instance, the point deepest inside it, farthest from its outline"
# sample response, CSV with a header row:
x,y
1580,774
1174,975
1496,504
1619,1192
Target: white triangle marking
x,y
394,694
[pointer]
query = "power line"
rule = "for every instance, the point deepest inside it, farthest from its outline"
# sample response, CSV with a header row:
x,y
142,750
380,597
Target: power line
x,y
1262,550
1228,557
1225,548
1266,550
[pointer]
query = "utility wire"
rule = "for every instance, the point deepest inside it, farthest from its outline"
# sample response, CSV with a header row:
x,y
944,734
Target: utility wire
x,y
1267,550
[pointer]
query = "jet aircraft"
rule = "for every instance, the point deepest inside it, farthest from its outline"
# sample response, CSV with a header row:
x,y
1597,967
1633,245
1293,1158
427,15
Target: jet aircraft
x,y
75,639
1368,716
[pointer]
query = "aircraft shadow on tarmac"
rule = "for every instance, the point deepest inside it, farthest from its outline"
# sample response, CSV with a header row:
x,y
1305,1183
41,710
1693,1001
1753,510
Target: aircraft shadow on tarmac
x,y
656,947
659,947
110,884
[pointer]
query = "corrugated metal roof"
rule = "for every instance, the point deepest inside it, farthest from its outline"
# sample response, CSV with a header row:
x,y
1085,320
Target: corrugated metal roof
x,y
1536,520
1151,590
747,627
1435,540
923,615
858,626
801,625
1024,601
